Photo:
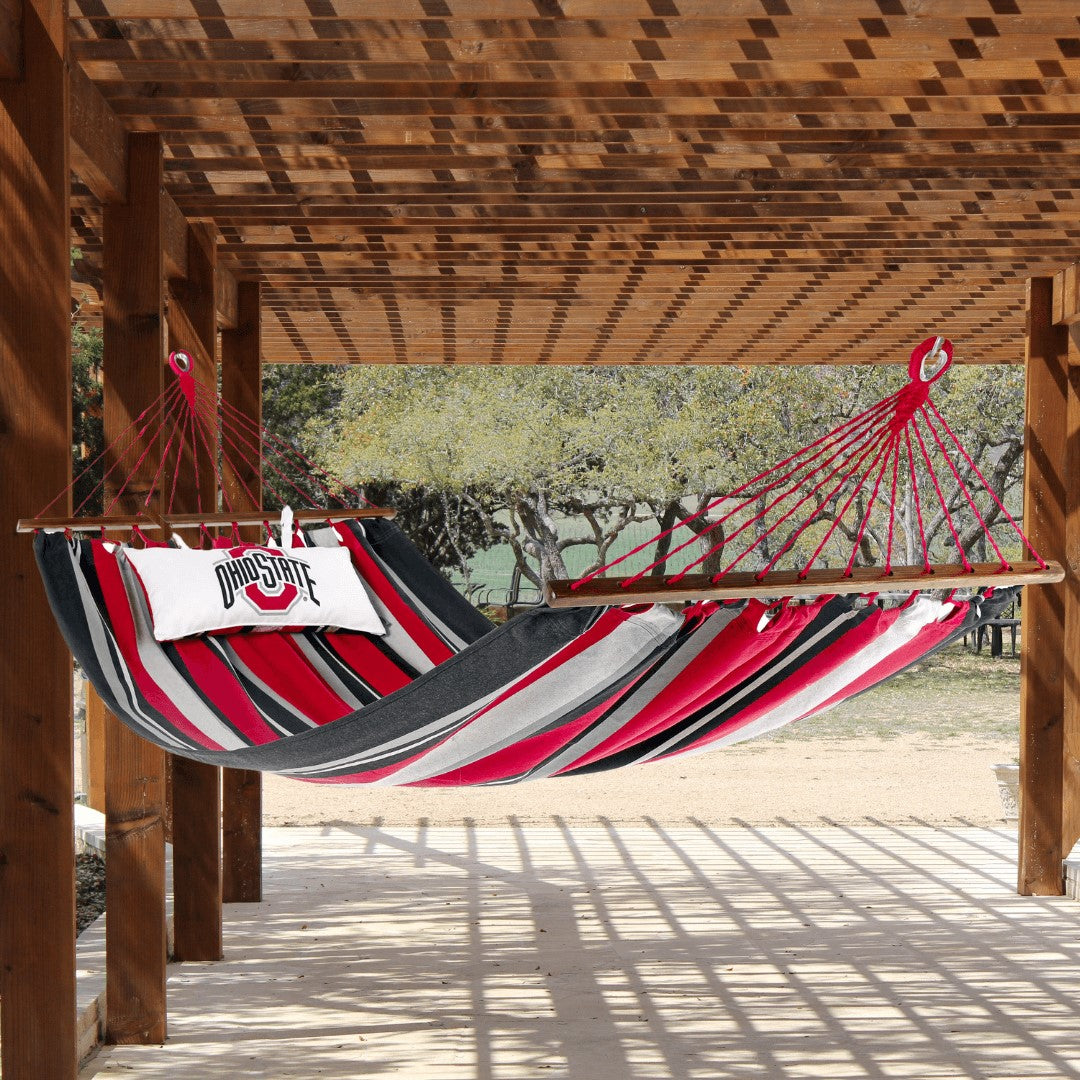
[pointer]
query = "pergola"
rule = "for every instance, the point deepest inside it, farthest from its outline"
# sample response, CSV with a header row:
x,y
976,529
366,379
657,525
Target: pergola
x,y
449,181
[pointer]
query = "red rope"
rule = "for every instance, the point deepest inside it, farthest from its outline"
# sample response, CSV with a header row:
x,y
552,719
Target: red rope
x,y
892,504
142,457
268,460
160,406
863,419
866,432
918,502
941,495
893,441
285,450
881,444
164,456
869,440
985,483
964,489
228,433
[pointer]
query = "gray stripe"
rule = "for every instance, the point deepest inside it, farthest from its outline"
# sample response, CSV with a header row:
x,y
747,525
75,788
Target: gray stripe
x,y
396,639
913,619
157,665
764,676
107,652
643,695
537,705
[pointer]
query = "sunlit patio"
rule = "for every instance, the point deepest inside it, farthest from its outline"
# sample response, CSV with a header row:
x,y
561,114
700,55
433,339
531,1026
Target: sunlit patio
x,y
604,952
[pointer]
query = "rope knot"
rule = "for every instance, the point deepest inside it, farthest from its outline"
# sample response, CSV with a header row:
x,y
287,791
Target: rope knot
x,y
908,402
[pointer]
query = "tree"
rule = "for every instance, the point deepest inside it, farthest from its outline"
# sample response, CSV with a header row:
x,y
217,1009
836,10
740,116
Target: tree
x,y
526,448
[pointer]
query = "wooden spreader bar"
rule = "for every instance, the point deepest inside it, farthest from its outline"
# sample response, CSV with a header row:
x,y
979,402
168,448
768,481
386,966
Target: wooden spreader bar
x,y
195,521
601,592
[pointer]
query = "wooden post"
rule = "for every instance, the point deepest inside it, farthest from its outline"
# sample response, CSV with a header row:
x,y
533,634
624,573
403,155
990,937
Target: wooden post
x,y
134,353
196,787
95,749
241,387
37,852
1048,490
1070,735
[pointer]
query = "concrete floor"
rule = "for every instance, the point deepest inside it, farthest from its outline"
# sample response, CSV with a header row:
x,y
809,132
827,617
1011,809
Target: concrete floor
x,y
648,951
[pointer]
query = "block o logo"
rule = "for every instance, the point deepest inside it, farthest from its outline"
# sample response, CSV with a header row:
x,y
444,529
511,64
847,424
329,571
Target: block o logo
x,y
269,581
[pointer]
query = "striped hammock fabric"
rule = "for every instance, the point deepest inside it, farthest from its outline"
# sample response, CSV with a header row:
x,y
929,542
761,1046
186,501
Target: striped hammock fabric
x,y
445,698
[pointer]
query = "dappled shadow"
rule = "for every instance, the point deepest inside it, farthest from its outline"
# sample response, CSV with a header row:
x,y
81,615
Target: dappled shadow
x,y
605,952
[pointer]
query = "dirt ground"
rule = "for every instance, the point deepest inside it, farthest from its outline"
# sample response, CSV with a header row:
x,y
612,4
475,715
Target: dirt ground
x,y
920,748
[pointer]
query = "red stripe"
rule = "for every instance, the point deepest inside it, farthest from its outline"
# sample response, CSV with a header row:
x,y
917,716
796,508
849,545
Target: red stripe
x,y
816,666
218,682
368,661
278,661
926,639
732,657
432,646
123,627
521,756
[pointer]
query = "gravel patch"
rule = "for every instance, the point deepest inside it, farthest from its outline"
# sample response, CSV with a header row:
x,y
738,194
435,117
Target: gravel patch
x,y
89,889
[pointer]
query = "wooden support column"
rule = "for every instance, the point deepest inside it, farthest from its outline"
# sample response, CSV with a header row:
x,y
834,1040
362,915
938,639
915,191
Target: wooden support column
x,y
196,787
241,387
134,354
37,854
1050,633
95,750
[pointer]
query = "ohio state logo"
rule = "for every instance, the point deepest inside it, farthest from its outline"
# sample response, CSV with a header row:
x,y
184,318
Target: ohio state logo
x,y
266,578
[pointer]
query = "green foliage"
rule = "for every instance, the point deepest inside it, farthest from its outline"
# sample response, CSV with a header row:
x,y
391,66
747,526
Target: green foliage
x,y
526,447
86,420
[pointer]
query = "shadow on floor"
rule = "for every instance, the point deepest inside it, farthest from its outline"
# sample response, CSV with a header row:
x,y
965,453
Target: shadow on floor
x,y
607,952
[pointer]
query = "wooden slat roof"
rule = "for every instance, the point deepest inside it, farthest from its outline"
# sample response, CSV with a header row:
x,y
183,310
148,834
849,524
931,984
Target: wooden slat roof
x,y
671,181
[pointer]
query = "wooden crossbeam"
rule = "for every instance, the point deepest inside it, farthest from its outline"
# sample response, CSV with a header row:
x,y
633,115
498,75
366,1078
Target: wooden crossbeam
x,y
337,152
195,521
601,592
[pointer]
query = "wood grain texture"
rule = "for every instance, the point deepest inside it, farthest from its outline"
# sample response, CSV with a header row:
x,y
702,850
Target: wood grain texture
x,y
37,887
241,863
98,141
777,183
10,39
134,887
1070,736
134,343
241,388
95,750
1042,657
780,583
196,837
196,787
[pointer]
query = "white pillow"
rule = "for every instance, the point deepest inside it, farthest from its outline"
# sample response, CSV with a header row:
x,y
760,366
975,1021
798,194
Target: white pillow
x,y
192,591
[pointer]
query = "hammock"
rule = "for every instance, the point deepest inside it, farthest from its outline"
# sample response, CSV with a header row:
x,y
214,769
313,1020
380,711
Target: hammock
x,y
445,698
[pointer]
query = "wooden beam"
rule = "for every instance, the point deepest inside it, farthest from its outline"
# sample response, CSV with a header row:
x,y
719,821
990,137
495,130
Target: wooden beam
x,y
241,387
134,347
601,592
10,39
226,302
98,141
95,749
37,858
1070,736
196,786
1047,486
174,239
